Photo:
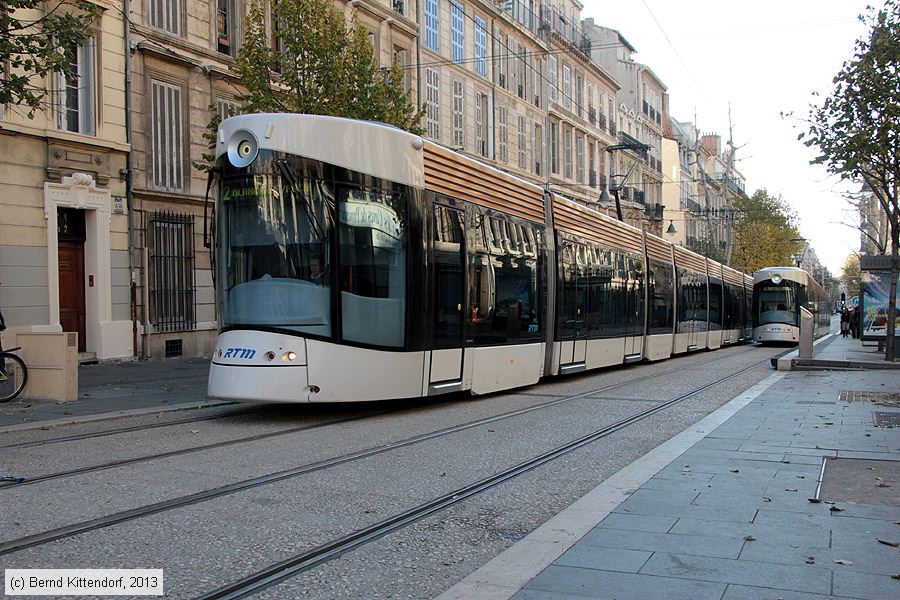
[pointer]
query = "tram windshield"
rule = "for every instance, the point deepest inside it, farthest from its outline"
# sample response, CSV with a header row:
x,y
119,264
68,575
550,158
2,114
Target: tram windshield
x,y
776,303
273,260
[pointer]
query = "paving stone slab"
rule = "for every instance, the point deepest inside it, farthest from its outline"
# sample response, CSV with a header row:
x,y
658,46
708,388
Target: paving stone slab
x,y
745,592
865,585
696,545
609,585
707,513
699,568
775,534
866,557
588,556
650,523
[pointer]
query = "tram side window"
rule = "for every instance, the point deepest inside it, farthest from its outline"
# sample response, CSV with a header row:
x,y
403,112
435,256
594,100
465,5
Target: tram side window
x,y
373,238
504,276
572,292
634,295
661,298
692,311
715,304
605,311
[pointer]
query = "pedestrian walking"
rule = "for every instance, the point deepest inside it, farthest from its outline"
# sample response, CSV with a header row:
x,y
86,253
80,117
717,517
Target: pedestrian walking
x,y
845,322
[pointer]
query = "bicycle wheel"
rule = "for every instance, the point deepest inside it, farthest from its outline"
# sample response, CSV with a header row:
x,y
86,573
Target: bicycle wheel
x,y
13,376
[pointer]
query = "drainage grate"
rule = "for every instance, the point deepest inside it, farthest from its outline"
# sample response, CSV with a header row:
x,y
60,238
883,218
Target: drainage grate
x,y
886,419
873,397
173,348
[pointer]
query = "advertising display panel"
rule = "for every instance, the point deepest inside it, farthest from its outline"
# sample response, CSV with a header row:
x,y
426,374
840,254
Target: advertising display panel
x,y
875,287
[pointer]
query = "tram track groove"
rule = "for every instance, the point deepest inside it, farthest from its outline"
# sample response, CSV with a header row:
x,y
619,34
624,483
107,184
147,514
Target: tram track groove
x,y
67,531
305,561
249,439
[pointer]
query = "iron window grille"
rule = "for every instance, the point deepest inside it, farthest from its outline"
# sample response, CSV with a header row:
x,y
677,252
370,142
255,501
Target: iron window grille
x,y
173,289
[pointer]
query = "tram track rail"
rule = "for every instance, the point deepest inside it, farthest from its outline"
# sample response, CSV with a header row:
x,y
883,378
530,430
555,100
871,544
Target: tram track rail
x,y
132,428
257,437
305,561
74,529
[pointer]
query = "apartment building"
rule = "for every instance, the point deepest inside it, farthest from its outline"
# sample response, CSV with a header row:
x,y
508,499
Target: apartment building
x,y
64,253
642,101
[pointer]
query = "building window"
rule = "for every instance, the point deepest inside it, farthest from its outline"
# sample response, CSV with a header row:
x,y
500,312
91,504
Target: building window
x,y
225,27
567,87
554,78
166,15
459,117
399,6
76,90
579,94
167,143
554,147
171,271
482,139
579,158
480,47
523,73
458,30
432,25
432,104
537,142
227,108
567,152
401,58
523,148
503,144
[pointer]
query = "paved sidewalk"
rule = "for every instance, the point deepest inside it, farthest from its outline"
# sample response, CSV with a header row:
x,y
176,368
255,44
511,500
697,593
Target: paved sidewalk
x,y
842,353
723,510
112,389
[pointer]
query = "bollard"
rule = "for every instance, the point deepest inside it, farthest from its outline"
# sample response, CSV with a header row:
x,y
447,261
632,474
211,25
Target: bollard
x,y
806,334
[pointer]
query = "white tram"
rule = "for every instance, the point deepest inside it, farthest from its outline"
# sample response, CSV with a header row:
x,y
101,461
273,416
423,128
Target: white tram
x,y
778,294
355,261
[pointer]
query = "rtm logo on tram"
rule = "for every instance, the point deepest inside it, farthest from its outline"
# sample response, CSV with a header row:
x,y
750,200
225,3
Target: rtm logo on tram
x,y
239,353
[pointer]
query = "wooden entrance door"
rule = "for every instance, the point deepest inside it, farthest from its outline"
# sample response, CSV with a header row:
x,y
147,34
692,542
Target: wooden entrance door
x,y
71,288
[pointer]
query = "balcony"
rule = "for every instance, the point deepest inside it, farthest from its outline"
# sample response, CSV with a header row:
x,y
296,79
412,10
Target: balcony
x,y
602,123
612,127
654,211
646,107
592,115
592,178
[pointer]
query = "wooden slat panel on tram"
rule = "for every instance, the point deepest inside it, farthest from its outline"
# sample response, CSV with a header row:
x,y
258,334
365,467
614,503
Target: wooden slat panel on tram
x,y
691,260
658,248
580,220
733,276
452,174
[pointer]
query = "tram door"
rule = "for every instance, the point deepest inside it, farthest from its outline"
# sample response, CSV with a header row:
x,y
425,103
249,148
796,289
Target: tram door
x,y
572,326
449,298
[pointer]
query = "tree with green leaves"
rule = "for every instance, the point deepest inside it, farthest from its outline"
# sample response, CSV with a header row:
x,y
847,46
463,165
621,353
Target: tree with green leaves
x,y
309,60
314,63
765,232
856,130
850,275
32,32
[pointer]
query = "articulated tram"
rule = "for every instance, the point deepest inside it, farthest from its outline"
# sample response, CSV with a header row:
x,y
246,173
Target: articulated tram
x,y
355,261
778,294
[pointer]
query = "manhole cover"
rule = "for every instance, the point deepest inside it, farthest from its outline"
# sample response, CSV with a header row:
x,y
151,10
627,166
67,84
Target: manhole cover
x,y
873,397
861,481
886,419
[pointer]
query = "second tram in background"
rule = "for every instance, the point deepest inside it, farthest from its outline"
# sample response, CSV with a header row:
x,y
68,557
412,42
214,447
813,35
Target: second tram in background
x,y
778,295
355,261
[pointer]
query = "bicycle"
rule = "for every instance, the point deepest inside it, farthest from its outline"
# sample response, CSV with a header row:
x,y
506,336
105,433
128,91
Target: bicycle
x,y
13,375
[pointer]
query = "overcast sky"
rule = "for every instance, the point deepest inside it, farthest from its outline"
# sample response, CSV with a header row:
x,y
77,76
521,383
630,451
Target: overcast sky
x,y
765,57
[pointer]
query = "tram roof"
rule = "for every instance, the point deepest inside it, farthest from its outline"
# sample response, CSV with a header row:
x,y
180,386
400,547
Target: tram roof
x,y
369,147
790,273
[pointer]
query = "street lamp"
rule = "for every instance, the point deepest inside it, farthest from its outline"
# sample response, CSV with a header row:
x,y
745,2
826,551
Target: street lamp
x,y
802,252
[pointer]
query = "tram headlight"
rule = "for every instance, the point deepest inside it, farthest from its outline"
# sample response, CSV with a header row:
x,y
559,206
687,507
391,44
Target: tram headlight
x,y
242,148
288,356
776,278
